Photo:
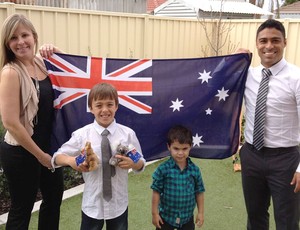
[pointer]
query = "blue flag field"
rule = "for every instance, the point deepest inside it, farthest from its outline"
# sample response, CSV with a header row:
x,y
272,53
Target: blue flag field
x,y
204,94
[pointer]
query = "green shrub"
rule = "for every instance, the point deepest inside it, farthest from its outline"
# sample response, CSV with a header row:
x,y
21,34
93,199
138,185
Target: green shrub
x,y
3,182
1,131
4,194
72,178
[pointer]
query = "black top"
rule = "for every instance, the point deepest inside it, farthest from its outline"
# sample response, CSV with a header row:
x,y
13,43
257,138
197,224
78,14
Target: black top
x,y
43,121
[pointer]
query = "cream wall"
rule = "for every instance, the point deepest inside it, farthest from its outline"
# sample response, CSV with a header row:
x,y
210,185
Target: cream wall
x,y
121,35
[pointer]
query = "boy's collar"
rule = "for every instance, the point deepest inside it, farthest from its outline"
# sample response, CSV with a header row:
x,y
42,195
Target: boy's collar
x,y
188,160
111,128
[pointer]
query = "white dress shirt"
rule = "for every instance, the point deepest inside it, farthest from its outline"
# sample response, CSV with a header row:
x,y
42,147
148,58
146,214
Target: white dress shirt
x,y
282,122
93,204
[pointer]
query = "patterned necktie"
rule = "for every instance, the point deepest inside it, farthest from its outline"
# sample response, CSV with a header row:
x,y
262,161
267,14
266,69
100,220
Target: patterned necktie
x,y
260,110
108,171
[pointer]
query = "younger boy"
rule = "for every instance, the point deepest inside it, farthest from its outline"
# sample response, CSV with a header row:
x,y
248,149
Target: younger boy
x,y
103,104
177,186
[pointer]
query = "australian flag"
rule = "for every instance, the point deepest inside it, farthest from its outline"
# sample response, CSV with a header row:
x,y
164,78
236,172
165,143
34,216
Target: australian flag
x,y
203,94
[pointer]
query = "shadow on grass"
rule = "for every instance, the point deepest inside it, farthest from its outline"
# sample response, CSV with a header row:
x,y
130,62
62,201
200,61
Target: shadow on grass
x,y
224,204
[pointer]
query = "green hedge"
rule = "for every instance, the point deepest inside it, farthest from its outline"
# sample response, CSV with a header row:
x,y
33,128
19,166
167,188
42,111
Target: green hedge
x,y
3,183
1,131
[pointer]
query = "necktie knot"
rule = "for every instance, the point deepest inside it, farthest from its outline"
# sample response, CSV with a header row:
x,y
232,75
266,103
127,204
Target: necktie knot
x,y
105,132
266,72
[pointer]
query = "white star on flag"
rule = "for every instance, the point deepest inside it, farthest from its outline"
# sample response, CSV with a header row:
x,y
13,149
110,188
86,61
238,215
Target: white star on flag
x,y
222,94
197,140
176,105
208,111
204,76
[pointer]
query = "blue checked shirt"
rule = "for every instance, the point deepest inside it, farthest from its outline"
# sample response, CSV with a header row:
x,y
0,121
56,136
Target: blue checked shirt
x,y
177,190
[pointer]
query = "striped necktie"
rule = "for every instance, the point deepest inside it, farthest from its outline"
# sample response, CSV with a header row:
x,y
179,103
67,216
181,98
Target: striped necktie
x,y
260,110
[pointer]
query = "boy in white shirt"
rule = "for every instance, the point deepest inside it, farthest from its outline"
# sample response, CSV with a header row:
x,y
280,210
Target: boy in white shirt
x,y
103,103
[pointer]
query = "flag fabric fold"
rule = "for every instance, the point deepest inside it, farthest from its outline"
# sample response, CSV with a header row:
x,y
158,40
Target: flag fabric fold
x,y
204,94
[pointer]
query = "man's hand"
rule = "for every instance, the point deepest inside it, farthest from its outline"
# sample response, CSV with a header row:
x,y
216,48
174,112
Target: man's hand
x,y
241,50
296,181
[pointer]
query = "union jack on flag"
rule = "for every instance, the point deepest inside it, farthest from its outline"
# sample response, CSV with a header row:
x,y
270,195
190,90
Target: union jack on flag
x,y
74,82
204,94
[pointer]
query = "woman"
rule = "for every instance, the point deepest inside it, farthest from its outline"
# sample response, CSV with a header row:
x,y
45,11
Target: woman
x,y
26,107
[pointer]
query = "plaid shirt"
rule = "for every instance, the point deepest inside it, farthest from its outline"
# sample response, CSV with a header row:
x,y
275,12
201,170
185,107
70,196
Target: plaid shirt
x,y
177,190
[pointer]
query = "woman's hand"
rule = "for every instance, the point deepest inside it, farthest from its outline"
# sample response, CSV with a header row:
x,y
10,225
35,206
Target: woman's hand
x,y
45,160
47,50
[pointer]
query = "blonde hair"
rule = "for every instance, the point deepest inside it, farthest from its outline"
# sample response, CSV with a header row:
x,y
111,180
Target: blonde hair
x,y
8,28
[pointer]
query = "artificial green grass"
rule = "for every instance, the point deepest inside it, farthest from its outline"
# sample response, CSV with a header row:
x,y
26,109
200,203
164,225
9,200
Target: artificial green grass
x,y
224,205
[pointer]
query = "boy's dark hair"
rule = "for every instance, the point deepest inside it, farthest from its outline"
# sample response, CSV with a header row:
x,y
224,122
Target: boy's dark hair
x,y
271,23
181,134
103,91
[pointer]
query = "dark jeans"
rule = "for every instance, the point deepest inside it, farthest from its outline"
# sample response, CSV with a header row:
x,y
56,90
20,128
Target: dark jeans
x,y
188,226
267,174
25,175
118,223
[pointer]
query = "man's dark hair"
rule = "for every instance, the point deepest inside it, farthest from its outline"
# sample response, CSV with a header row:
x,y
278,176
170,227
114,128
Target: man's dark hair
x,y
271,23
181,134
